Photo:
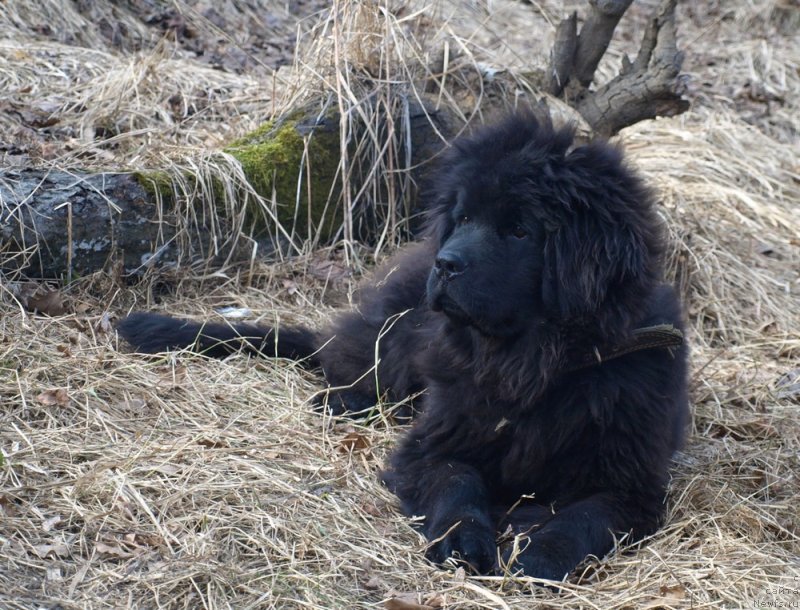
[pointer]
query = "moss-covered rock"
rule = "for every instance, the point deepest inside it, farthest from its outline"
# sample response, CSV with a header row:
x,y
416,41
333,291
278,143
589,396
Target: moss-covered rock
x,y
295,161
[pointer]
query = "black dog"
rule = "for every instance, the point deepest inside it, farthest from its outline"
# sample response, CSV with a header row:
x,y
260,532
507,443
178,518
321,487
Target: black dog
x,y
533,322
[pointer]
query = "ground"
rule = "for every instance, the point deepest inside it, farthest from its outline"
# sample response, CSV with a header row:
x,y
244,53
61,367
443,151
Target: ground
x,y
178,482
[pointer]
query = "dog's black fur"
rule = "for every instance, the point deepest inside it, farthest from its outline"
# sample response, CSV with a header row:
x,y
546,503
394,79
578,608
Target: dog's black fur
x,y
535,255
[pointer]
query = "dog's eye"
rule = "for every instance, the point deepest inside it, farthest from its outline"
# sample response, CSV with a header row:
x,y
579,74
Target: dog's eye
x,y
519,232
463,219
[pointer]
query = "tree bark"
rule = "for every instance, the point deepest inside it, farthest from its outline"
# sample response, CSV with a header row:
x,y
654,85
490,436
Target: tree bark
x,y
563,56
59,225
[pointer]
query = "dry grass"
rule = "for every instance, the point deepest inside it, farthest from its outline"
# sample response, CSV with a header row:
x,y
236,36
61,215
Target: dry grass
x,y
177,482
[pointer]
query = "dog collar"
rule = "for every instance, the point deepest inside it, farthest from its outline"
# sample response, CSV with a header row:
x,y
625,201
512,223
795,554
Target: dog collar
x,y
660,336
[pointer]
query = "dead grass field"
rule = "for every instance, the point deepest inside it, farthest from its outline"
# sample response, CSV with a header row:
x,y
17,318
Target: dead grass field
x,y
178,482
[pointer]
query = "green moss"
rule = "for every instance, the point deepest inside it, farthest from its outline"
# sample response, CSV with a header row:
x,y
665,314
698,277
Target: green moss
x,y
272,158
156,183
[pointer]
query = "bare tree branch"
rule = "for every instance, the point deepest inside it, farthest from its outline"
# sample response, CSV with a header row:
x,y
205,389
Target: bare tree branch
x,y
595,36
563,56
645,89
648,87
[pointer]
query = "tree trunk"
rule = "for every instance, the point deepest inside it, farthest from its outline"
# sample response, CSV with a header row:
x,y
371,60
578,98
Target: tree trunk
x,y
60,225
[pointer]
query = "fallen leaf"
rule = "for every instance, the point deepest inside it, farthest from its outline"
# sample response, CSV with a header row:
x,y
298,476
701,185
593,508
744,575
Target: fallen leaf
x,y
7,507
42,550
406,602
112,549
371,508
54,397
788,385
59,550
676,592
434,600
50,303
290,286
172,377
151,540
373,584
54,575
669,595
353,442
82,307
328,270
133,406
213,444
167,469
37,118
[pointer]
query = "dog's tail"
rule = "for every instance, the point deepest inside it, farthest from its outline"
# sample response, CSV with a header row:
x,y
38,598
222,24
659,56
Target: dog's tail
x,y
152,333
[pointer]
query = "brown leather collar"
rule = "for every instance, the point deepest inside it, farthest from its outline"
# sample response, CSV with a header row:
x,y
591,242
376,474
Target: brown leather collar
x,y
648,337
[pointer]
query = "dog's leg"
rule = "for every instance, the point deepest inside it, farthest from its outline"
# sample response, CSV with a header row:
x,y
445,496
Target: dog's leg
x,y
454,500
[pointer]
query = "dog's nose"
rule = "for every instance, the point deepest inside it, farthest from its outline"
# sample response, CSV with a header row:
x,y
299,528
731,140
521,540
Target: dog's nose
x,y
449,265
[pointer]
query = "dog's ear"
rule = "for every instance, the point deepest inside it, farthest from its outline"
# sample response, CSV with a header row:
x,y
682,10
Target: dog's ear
x,y
597,248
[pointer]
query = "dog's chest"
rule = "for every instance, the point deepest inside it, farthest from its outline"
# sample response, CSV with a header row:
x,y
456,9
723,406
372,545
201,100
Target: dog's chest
x,y
528,450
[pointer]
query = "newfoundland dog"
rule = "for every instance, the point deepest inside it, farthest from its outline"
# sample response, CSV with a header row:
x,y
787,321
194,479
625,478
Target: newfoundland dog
x,y
545,352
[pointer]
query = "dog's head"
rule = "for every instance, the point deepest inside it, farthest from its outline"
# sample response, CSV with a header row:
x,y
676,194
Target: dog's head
x,y
532,231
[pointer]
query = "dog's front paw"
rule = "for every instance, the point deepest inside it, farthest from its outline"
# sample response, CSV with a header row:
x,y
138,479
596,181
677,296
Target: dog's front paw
x,y
471,543
541,556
